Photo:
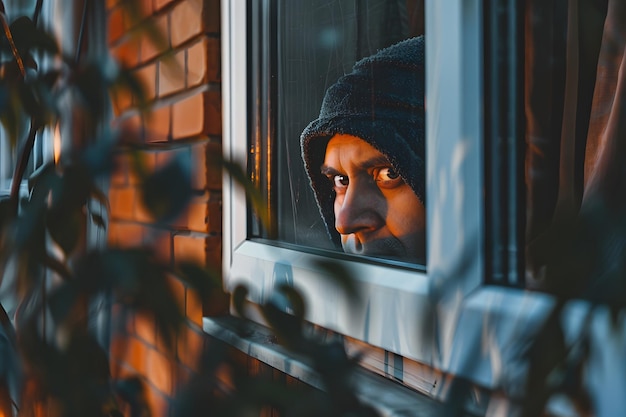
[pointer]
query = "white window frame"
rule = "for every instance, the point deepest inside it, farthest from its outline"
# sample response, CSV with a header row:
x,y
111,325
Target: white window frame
x,y
446,318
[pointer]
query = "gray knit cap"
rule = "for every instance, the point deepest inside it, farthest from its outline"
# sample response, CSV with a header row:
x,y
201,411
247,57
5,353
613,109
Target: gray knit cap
x,y
382,102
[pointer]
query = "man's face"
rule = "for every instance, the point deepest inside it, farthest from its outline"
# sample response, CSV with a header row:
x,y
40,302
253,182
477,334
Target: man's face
x,y
376,212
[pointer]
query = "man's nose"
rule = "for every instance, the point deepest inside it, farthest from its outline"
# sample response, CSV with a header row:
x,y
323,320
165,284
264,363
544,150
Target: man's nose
x,y
358,211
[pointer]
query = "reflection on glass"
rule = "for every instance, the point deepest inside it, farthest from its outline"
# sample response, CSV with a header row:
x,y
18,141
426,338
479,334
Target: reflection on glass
x,y
319,43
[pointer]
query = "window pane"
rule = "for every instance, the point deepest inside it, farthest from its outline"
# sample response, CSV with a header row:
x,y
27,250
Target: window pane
x,y
317,42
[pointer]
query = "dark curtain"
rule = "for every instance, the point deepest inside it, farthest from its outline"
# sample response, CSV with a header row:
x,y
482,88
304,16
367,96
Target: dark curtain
x,y
575,110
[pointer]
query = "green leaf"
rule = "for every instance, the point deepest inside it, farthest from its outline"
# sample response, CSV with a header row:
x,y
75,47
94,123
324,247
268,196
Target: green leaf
x,y
201,280
98,220
239,299
27,36
167,192
92,86
66,228
12,117
296,304
96,161
63,301
339,275
57,266
131,390
130,82
8,211
40,174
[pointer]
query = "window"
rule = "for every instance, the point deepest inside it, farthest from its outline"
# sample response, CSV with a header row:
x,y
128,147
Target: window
x,y
42,152
298,51
396,295
448,315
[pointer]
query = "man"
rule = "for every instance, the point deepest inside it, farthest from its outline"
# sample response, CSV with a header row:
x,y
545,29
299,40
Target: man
x,y
365,156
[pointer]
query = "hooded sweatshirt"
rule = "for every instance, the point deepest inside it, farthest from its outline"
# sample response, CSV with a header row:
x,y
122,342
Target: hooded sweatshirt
x,y
381,101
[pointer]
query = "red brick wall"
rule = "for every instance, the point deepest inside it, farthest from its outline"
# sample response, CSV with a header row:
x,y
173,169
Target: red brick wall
x,y
186,121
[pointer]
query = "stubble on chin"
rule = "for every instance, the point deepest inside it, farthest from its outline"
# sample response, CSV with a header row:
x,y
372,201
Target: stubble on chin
x,y
389,247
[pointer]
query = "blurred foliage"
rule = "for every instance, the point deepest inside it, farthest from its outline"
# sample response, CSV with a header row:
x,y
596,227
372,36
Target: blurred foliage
x,y
584,262
54,365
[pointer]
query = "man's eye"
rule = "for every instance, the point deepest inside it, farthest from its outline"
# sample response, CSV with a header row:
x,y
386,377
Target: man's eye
x,y
340,182
387,177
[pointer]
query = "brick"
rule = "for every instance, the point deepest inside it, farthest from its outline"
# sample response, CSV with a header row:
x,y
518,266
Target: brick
x,y
141,213
197,115
157,402
211,16
183,377
171,76
199,167
193,307
122,100
135,355
159,371
127,53
147,77
125,235
162,246
190,248
190,345
145,328
213,170
122,202
215,216
158,123
178,290
112,233
121,322
116,24
117,348
132,128
214,252
159,4
197,64
146,7
224,374
202,62
119,175
166,343
197,215
153,46
188,117
213,113
125,371
111,3
186,20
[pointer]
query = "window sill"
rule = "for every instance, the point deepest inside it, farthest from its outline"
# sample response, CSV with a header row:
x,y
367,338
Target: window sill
x,y
389,398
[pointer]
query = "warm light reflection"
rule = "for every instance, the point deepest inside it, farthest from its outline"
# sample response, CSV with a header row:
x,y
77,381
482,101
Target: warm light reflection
x,y
56,145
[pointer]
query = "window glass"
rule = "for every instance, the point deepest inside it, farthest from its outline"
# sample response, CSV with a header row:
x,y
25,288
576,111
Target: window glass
x,y
315,44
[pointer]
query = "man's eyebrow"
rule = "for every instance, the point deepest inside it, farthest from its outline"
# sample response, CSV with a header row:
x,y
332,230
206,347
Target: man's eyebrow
x,y
328,170
375,161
